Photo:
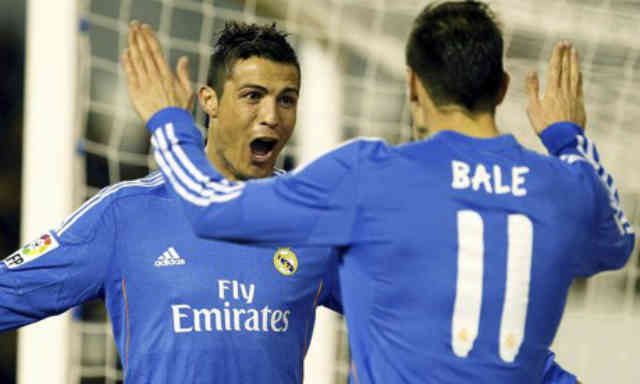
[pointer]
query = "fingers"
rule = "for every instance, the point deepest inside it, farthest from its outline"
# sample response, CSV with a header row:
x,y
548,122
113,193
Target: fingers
x,y
182,69
152,84
143,50
533,89
127,66
576,74
566,74
155,51
555,66
580,89
534,108
135,57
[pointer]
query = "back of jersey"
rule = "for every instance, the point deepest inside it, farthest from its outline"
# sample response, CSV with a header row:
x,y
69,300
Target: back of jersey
x,y
468,249
457,252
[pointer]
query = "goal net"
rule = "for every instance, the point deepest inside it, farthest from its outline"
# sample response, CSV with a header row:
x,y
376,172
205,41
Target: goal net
x,y
358,48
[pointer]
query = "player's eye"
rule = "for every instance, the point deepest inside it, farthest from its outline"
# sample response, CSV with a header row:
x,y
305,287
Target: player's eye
x,y
288,101
252,96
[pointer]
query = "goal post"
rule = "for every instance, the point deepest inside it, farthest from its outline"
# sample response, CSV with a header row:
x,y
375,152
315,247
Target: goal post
x,y
47,181
318,131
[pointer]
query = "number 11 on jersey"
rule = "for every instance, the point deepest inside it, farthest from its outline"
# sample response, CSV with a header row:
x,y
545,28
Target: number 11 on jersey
x,y
468,302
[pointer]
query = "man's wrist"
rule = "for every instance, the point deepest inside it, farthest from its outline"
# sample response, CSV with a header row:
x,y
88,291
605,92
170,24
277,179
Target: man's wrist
x,y
166,115
558,135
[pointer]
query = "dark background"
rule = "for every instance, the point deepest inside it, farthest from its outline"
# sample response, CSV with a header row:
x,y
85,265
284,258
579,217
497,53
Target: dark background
x,y
12,22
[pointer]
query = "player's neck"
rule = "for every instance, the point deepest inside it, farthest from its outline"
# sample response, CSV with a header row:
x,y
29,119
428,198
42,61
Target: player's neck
x,y
218,162
480,125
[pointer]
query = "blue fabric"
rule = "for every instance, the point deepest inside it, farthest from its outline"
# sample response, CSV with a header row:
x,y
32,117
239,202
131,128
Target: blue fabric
x,y
554,374
215,313
402,218
558,136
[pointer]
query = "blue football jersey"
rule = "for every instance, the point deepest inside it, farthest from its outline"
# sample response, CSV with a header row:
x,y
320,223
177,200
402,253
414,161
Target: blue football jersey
x,y
457,252
183,309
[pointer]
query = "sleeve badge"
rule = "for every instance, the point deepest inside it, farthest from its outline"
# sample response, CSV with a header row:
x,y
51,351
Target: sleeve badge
x,y
43,245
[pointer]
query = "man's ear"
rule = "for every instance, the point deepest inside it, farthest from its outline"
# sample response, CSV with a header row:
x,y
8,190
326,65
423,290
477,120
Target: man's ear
x,y
412,90
506,79
208,100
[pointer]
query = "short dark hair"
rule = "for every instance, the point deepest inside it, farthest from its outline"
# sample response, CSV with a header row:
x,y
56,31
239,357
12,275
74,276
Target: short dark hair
x,y
456,50
239,41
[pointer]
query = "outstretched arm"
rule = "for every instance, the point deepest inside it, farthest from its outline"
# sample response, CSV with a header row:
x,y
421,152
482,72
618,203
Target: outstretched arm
x,y
60,269
559,118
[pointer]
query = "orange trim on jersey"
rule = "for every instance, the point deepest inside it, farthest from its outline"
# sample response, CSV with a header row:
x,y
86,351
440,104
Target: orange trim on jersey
x,y
126,324
306,323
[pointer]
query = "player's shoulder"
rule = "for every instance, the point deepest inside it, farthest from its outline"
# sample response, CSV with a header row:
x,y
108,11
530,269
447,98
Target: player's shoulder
x,y
562,168
363,148
152,185
90,214
571,180
344,157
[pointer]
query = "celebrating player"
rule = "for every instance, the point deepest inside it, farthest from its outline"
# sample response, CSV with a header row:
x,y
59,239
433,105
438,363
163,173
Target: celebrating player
x,y
457,250
184,309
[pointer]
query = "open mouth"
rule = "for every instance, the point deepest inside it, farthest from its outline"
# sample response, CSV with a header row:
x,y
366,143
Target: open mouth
x,y
262,148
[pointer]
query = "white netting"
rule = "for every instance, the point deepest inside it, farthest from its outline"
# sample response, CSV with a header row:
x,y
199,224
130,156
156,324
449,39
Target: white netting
x,y
366,39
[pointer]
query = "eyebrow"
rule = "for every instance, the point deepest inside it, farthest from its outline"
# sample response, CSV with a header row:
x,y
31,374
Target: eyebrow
x,y
265,90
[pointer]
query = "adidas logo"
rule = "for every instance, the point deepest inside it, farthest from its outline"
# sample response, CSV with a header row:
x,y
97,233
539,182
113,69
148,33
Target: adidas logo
x,y
168,258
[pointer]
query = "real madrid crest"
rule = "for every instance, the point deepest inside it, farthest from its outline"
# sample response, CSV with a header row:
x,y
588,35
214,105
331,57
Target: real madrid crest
x,y
285,261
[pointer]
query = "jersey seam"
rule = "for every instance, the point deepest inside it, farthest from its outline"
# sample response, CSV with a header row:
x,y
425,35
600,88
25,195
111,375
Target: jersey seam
x,y
125,296
583,177
94,230
68,274
358,205
329,200
329,277
109,271
594,219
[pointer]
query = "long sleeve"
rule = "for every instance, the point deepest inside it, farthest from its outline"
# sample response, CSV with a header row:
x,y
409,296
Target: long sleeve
x,y
59,270
612,237
314,206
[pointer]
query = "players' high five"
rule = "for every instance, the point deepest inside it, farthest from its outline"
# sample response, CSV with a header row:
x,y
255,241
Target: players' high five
x,y
459,249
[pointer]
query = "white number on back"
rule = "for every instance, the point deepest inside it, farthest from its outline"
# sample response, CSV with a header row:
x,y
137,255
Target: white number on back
x,y
468,302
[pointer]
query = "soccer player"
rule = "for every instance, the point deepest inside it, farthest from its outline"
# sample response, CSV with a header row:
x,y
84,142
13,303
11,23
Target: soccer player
x,y
184,309
457,250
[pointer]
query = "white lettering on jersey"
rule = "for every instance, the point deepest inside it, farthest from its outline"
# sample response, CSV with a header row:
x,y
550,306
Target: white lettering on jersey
x,y
460,175
227,318
517,180
187,319
481,176
497,179
463,177
237,290
177,324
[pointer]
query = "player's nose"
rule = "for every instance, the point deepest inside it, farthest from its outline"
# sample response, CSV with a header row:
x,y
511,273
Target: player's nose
x,y
269,113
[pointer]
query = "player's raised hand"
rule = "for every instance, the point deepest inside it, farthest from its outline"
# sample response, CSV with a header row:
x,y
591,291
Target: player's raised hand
x,y
563,98
151,83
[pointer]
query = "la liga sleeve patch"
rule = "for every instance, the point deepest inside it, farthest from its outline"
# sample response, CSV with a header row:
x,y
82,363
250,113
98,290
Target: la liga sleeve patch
x,y
43,245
